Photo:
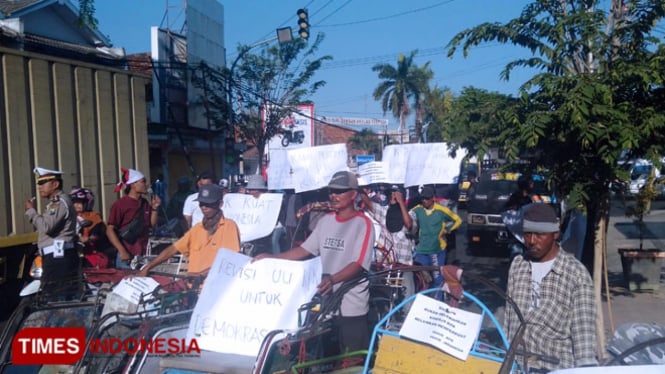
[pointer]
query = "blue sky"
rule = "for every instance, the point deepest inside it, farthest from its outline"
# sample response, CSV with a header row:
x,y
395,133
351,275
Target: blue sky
x,y
359,34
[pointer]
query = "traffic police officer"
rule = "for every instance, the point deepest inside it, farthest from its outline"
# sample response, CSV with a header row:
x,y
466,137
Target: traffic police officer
x,y
56,227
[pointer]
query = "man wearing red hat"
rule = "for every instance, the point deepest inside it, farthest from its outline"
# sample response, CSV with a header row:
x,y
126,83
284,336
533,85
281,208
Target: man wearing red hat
x,y
131,217
56,227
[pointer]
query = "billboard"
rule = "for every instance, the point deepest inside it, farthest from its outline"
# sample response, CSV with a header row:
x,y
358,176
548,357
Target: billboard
x,y
297,129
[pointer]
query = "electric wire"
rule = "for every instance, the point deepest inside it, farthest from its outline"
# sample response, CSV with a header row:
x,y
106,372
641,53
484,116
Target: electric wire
x,y
335,11
386,17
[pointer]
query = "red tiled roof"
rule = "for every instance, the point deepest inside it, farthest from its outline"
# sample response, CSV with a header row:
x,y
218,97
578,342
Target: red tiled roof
x,y
140,63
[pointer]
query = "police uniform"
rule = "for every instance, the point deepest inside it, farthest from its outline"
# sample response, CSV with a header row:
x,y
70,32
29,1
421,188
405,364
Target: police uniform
x,y
57,233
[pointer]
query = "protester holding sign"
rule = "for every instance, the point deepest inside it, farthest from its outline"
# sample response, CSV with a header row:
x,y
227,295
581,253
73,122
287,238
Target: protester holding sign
x,y
344,241
202,242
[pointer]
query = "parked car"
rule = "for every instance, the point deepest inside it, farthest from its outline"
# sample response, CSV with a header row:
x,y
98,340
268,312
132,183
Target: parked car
x,y
486,232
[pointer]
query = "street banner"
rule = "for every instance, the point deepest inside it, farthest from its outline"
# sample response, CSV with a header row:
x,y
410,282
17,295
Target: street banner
x,y
256,218
421,163
313,167
449,329
243,300
280,175
372,172
296,129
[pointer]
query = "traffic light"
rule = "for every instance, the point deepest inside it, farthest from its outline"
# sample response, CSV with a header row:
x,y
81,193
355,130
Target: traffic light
x,y
230,152
303,23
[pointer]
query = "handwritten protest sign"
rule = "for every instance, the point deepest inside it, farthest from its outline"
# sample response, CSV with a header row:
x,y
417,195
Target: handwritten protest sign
x,y
449,329
396,157
423,163
256,218
373,172
430,163
242,301
280,175
313,167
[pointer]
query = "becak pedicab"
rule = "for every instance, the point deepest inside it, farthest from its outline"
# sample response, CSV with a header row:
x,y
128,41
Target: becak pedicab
x,y
311,348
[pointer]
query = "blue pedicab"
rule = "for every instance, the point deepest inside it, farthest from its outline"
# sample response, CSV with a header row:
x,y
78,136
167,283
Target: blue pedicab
x,y
311,348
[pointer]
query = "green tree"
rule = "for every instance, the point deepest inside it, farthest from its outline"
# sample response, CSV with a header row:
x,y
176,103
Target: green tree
x,y
401,85
599,91
87,13
267,84
437,106
275,80
475,120
368,141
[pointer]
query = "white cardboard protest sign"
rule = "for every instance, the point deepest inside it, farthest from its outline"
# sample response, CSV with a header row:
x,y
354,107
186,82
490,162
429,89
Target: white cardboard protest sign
x,y
256,218
449,329
395,157
422,163
313,167
430,163
242,301
373,172
280,175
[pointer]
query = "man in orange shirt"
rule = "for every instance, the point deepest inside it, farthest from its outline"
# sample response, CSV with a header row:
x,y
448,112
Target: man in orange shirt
x,y
202,242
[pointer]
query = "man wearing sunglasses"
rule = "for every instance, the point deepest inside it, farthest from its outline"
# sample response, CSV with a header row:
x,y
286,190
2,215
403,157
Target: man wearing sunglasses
x,y
202,242
56,227
344,240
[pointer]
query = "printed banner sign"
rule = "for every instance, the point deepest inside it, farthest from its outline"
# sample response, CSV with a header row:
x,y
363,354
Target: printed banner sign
x,y
372,172
243,300
256,218
449,329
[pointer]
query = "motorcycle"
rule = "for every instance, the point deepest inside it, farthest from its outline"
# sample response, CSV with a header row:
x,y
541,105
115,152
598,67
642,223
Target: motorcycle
x,y
292,136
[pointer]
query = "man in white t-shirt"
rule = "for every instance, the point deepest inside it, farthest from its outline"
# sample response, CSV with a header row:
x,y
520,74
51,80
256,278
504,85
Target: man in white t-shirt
x,y
191,210
343,239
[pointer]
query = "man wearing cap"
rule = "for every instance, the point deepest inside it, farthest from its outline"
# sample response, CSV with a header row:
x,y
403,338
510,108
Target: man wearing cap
x,y
202,242
344,240
432,221
190,209
554,293
131,217
56,228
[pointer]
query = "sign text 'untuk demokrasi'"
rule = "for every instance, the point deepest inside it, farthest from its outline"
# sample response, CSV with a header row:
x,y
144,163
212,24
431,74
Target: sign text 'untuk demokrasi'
x,y
67,345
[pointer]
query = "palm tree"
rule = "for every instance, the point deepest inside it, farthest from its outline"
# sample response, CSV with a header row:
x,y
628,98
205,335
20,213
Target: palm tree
x,y
400,84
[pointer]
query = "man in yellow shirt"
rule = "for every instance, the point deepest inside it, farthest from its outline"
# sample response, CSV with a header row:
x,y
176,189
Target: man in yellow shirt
x,y
202,242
